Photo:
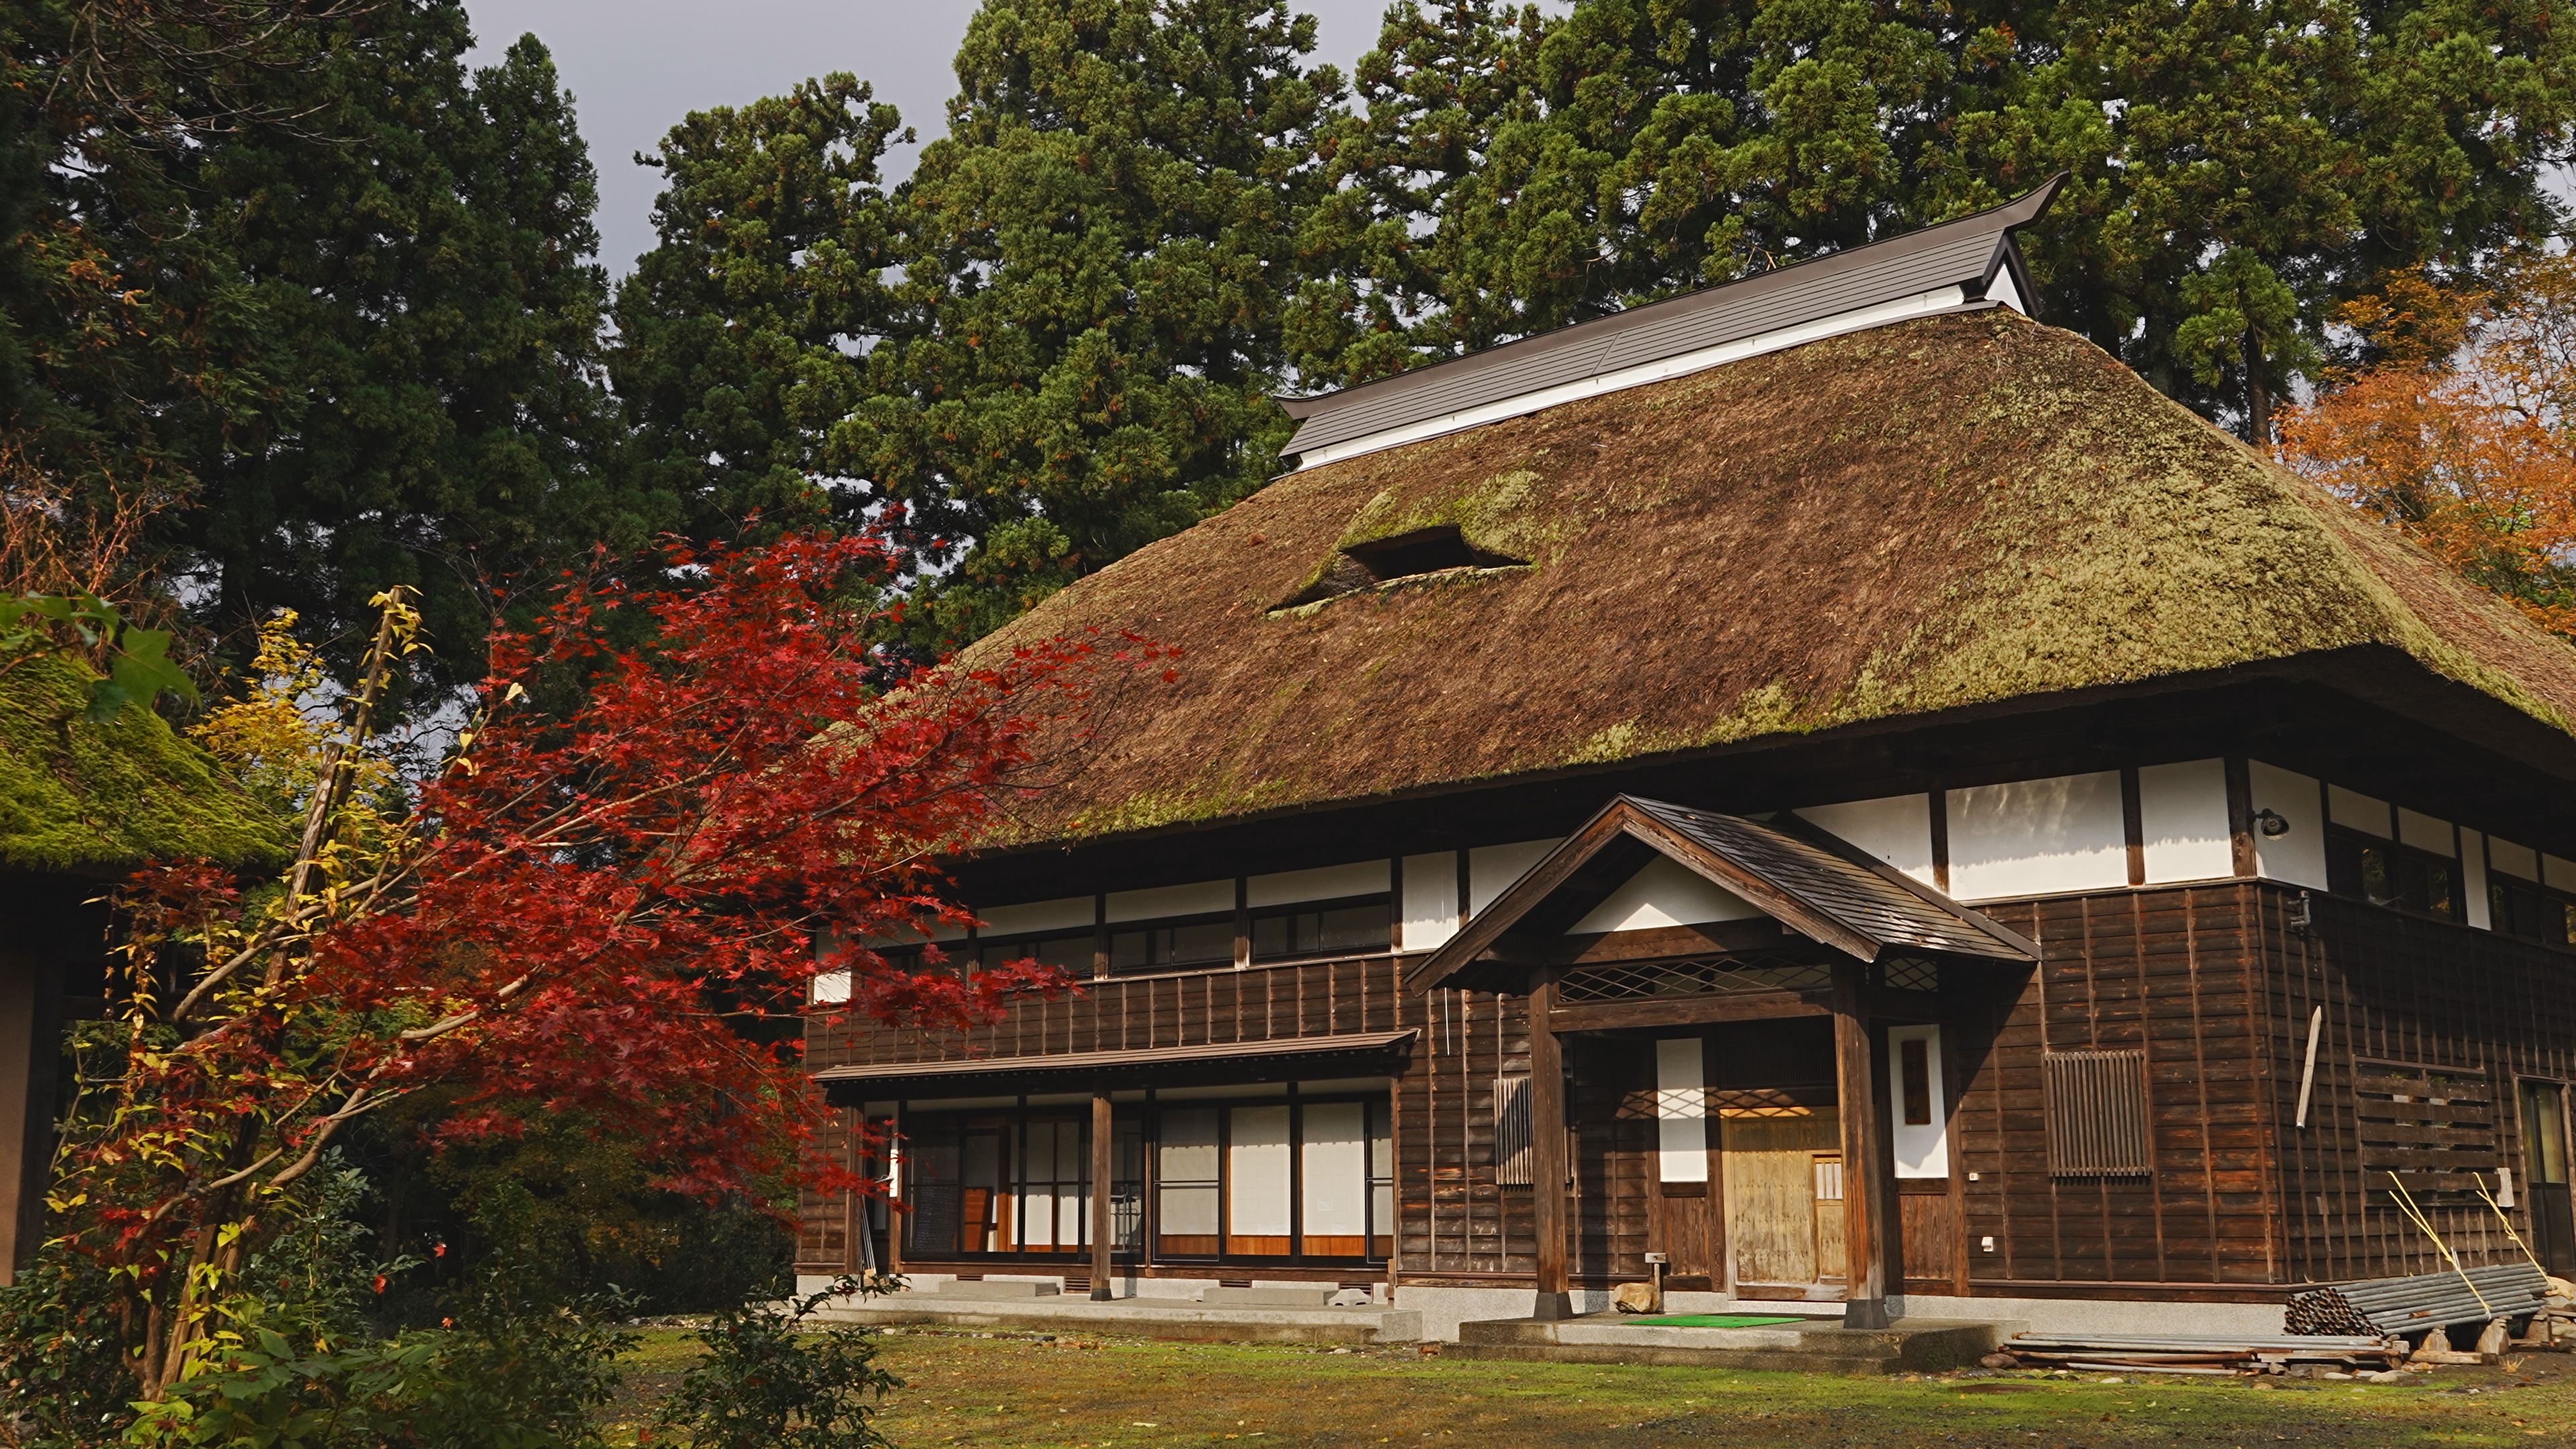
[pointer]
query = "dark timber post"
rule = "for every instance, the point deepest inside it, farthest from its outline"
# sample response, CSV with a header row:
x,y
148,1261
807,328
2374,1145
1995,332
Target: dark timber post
x,y
1864,1167
898,1185
854,1205
1102,1166
1547,1157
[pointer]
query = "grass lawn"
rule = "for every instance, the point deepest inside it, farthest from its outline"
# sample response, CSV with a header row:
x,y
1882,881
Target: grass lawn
x,y
1020,1391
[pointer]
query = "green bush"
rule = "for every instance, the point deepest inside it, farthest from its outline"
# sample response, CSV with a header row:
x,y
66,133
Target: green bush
x,y
771,1380
63,1379
500,1374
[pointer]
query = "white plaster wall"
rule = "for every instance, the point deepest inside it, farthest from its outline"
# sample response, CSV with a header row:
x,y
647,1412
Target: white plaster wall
x,y
1323,883
1665,893
1681,1110
1895,828
2473,873
1922,1150
1040,916
2035,837
2426,833
1201,898
2558,874
2355,811
2298,855
1430,900
2182,816
1491,869
832,988
2511,859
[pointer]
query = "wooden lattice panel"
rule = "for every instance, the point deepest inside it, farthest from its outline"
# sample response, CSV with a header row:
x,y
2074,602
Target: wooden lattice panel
x,y
2434,1127
1636,980
1911,973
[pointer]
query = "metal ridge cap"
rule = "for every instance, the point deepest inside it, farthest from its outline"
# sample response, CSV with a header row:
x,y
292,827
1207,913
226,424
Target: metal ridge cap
x,y
2002,219
1678,364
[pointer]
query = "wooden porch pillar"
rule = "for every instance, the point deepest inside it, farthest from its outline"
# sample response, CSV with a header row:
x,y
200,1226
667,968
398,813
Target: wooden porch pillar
x,y
898,1187
854,1203
1866,1231
1103,1165
1547,1157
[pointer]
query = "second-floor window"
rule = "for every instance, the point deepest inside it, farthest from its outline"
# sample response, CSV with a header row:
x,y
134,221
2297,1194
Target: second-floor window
x,y
2533,912
1350,926
1172,945
1069,951
2386,873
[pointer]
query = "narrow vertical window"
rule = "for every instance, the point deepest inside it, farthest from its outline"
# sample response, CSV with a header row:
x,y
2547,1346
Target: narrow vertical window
x,y
1921,1110
1914,1056
1511,1132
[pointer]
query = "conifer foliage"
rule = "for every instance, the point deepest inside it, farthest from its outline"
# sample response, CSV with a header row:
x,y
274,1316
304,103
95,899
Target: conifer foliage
x,y
287,283
1093,262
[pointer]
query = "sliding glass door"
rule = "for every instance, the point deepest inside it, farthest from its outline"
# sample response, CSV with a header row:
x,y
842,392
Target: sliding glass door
x,y
1272,1181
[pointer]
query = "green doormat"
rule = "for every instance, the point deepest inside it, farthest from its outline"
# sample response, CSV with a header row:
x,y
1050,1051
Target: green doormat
x,y
1714,1320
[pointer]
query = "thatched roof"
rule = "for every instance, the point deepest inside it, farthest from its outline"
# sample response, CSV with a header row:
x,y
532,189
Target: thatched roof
x,y
1941,513
83,797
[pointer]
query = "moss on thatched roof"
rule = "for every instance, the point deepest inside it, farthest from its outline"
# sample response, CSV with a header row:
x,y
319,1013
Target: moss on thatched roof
x,y
1941,513
78,796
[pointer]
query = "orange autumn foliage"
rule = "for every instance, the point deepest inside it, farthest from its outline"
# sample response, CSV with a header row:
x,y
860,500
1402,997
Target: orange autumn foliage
x,y
2462,430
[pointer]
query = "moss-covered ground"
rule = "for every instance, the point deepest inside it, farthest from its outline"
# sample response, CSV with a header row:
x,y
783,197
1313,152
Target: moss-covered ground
x,y
1024,1391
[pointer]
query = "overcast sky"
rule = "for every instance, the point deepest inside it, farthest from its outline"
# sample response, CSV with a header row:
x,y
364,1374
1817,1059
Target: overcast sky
x,y
635,67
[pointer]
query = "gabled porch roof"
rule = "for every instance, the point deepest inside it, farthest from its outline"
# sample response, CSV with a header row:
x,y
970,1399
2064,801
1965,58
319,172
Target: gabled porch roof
x,y
1809,881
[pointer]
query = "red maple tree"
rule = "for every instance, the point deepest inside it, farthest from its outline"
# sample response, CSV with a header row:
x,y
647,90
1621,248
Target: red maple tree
x,y
574,913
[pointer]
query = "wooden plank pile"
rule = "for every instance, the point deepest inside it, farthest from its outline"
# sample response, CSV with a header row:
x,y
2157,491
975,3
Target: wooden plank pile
x,y
2207,1355
2419,1304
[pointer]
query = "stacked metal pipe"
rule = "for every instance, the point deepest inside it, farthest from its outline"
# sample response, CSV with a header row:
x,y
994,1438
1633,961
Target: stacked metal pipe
x,y
2419,1304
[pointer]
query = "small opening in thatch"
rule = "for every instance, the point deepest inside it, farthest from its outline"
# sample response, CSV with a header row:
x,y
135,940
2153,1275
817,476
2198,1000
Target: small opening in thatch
x,y
1416,554
1424,552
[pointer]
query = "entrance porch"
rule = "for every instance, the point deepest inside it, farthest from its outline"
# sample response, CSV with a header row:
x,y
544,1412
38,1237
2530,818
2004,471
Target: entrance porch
x,y
1752,1106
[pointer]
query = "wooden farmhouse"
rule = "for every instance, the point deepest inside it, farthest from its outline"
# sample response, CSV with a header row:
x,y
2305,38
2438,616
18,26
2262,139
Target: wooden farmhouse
x,y
1825,789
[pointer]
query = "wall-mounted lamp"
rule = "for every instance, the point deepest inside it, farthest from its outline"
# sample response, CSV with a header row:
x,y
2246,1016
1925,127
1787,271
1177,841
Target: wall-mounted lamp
x,y
2271,823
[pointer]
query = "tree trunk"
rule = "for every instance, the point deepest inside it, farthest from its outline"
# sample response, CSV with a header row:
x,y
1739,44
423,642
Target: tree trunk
x,y
2258,398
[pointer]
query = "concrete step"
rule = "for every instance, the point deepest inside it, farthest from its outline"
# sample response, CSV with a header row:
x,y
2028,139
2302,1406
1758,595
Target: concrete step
x,y
1172,1318
1276,1297
1000,1289
1818,1346
1768,1359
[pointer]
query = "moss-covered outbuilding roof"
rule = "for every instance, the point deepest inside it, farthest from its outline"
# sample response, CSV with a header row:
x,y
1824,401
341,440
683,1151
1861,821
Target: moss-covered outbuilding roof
x,y
1941,513
84,797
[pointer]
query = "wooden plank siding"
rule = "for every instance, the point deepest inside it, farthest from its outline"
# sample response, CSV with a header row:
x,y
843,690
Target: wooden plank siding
x,y
1454,1222
2399,988
2214,983
2170,971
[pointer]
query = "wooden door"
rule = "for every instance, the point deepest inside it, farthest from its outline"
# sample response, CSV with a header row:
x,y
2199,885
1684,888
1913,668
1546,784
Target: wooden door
x,y
2544,1166
1928,1225
1683,1223
1771,1171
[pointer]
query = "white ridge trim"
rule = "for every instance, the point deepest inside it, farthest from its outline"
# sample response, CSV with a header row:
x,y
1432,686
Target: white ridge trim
x,y
1861,319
